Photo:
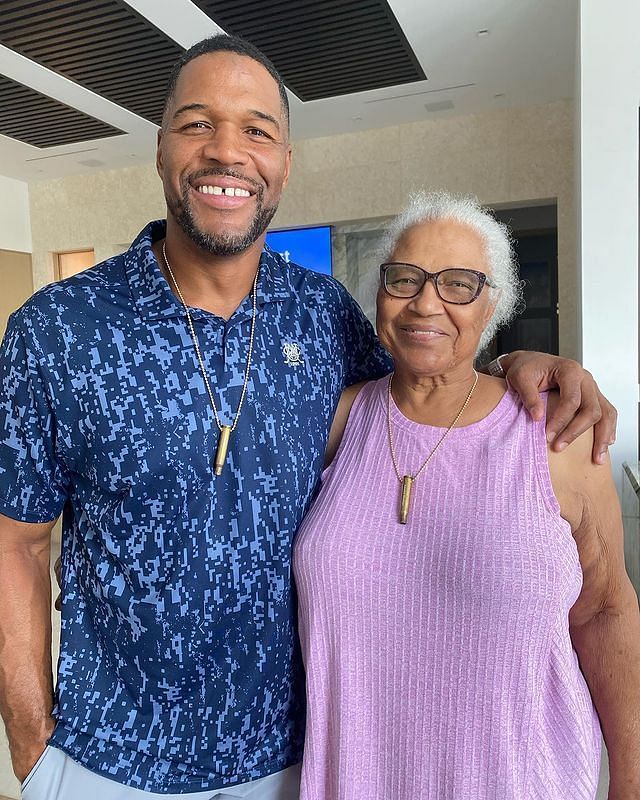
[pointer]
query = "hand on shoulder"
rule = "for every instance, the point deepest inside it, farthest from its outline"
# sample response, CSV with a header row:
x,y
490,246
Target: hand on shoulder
x,y
579,406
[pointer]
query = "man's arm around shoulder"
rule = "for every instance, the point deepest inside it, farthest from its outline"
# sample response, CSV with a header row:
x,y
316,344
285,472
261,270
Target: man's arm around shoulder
x,y
26,682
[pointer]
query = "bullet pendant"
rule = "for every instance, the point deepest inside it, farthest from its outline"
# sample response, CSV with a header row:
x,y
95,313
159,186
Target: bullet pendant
x,y
221,450
407,485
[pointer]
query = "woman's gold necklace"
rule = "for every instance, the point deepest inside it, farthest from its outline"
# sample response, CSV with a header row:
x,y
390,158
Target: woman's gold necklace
x,y
407,481
225,430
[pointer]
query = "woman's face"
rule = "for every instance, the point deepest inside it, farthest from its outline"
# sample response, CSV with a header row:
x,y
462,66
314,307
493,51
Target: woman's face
x,y
425,335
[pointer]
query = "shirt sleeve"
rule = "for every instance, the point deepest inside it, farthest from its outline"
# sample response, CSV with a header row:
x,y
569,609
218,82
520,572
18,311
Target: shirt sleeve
x,y
365,358
33,482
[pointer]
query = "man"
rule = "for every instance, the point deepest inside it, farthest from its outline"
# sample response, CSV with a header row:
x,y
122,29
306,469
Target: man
x,y
173,403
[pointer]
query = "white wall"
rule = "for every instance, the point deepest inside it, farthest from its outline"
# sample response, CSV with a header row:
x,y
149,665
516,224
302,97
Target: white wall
x,y
609,97
15,224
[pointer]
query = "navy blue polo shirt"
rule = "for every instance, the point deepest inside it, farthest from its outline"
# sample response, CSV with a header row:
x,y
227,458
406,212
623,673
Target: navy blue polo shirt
x,y
179,669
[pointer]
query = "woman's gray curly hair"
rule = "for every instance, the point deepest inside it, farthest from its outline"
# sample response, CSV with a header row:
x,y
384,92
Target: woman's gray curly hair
x,y
466,210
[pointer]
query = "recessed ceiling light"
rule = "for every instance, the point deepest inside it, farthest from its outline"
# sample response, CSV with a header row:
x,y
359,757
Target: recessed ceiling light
x,y
482,32
442,105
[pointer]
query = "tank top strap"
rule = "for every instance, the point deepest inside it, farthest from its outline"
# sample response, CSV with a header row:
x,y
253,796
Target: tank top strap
x,y
366,401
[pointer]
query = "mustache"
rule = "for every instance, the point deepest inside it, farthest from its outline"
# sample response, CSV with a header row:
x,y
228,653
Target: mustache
x,y
223,173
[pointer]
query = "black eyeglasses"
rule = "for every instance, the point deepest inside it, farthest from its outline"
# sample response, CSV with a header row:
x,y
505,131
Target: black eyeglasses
x,y
453,285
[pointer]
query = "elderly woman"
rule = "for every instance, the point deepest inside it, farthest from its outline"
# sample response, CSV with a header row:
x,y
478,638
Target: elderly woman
x,y
465,616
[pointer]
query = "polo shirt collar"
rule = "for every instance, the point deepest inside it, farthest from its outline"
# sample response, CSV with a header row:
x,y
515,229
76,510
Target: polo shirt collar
x,y
154,297
274,282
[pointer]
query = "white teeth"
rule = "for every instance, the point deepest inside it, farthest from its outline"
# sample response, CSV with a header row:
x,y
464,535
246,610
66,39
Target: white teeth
x,y
229,191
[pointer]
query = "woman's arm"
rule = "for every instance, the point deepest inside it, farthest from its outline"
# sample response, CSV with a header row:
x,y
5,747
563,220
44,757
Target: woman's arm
x,y
605,621
340,420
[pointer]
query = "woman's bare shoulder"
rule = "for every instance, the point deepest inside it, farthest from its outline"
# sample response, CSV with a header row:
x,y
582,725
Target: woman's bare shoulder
x,y
579,451
575,478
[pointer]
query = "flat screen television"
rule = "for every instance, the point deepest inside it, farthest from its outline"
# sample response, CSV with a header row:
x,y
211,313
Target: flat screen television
x,y
308,247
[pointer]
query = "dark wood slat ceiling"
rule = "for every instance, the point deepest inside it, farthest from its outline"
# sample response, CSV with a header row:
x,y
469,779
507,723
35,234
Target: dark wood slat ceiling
x,y
101,44
323,49
31,117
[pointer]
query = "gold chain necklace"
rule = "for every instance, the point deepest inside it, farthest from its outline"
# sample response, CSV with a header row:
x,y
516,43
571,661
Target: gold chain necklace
x,y
407,481
225,430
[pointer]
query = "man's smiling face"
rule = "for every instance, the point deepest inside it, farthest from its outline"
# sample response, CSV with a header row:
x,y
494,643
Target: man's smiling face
x,y
223,151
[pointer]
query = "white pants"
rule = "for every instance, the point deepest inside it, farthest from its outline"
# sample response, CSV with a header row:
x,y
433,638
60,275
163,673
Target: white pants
x,y
56,776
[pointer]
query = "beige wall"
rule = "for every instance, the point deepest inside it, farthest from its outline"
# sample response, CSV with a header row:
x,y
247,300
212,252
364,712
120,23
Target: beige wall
x,y
16,282
514,156
102,211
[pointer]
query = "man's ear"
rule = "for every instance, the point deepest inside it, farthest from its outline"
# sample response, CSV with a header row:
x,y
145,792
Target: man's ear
x,y
159,166
287,165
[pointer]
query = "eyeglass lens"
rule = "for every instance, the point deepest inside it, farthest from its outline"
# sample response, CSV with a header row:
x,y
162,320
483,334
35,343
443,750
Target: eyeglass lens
x,y
454,285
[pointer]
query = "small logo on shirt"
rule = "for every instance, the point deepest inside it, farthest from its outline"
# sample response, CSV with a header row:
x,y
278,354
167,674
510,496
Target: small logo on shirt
x,y
292,354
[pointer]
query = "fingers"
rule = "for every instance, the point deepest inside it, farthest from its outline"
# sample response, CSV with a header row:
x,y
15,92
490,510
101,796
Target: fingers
x,y
580,423
579,409
534,406
604,433
526,385
575,412
530,373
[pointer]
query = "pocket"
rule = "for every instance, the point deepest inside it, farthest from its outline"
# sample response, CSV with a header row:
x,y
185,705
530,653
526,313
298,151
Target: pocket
x,y
34,769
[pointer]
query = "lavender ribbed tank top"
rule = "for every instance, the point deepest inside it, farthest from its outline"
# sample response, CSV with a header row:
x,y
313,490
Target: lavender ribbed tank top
x,y
438,657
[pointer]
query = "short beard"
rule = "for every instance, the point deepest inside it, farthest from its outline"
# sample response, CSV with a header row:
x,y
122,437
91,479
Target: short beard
x,y
220,244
